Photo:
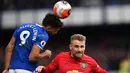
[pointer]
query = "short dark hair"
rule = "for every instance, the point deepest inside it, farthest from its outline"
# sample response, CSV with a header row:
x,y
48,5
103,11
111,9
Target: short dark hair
x,y
52,20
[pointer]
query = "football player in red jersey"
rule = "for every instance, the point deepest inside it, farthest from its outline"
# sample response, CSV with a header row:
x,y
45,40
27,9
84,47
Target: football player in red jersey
x,y
74,61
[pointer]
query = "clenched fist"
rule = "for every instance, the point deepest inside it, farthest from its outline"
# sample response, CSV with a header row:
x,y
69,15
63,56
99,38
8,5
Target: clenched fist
x,y
47,54
39,69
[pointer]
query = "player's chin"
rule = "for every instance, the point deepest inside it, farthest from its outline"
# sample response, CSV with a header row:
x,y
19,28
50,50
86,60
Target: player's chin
x,y
78,55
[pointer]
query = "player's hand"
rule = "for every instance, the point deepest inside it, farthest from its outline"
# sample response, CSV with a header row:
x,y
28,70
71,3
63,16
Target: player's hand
x,y
5,71
47,54
39,68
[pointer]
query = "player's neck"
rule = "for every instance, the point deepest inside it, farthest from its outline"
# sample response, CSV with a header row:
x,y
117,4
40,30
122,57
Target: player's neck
x,y
44,28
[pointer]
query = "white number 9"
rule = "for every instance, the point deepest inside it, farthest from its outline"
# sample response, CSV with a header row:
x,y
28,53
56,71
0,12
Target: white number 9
x,y
23,38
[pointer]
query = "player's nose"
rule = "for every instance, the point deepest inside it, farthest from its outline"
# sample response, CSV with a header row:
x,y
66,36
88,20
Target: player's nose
x,y
79,49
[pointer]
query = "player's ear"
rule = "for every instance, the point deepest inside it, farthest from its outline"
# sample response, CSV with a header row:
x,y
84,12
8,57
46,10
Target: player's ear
x,y
48,28
70,46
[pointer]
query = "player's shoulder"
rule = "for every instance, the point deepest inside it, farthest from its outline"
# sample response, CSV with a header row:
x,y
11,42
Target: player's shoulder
x,y
41,31
38,25
33,25
28,25
63,54
89,58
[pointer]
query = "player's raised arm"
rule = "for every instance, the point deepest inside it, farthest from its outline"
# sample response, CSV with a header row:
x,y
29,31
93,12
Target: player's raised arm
x,y
35,54
38,45
8,53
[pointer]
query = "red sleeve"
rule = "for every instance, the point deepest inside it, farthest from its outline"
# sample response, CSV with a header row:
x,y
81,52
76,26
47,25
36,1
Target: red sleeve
x,y
96,68
53,66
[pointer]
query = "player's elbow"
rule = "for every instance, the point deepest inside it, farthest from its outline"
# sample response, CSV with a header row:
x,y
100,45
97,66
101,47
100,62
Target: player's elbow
x,y
32,58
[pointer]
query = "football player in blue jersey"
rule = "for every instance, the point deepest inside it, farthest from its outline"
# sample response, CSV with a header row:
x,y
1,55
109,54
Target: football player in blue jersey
x,y
24,49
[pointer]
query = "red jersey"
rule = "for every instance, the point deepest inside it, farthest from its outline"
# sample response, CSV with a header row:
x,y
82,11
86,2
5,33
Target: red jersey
x,y
64,63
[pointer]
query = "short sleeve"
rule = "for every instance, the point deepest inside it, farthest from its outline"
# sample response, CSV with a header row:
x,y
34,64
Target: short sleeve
x,y
41,40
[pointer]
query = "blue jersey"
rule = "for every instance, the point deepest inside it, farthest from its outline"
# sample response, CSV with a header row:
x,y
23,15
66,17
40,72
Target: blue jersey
x,y
26,36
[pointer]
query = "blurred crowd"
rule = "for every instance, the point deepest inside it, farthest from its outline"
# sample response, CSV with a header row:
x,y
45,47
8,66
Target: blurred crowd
x,y
36,4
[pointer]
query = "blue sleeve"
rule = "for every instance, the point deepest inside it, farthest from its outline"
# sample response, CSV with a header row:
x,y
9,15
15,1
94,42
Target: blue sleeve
x,y
41,41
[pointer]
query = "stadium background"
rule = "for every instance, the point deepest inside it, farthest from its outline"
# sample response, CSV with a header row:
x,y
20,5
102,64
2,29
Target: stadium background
x,y
106,24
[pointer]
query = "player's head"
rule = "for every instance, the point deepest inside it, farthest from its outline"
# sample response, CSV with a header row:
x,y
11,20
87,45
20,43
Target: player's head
x,y
77,45
52,23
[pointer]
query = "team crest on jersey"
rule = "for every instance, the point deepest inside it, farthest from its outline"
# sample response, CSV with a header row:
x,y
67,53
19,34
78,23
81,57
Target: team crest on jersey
x,y
83,65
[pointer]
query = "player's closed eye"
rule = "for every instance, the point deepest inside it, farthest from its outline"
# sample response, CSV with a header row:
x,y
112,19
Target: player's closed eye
x,y
82,46
76,46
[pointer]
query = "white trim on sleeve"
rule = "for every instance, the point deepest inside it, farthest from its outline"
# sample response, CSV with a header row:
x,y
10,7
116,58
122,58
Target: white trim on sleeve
x,y
39,47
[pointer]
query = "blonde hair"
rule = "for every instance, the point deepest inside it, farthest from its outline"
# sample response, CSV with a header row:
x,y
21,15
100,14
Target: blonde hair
x,y
79,37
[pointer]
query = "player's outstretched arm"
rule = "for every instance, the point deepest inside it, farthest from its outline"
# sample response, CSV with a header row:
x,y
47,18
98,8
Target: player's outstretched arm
x,y
99,70
96,68
8,53
51,68
35,54
48,69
